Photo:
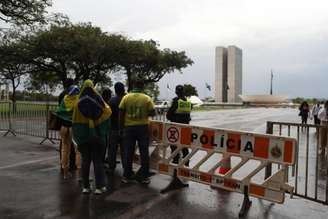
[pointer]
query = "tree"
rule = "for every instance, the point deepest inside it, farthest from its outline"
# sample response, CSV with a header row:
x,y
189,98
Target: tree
x,y
152,90
23,11
144,60
80,51
13,63
190,90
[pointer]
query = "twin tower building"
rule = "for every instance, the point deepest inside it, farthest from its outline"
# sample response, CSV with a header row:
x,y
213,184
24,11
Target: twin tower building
x,y
228,74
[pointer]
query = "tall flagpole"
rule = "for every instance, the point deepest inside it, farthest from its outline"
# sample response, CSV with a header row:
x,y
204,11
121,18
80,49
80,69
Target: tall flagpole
x,y
271,82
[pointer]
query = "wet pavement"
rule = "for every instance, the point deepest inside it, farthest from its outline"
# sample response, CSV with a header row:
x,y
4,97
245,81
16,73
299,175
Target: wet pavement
x,y
31,186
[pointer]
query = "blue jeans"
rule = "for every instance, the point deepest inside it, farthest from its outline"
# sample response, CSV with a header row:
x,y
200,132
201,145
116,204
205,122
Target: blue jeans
x,y
131,135
93,151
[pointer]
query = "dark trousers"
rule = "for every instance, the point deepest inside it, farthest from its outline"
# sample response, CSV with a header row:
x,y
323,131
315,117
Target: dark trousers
x,y
304,119
316,120
93,151
114,142
131,135
176,159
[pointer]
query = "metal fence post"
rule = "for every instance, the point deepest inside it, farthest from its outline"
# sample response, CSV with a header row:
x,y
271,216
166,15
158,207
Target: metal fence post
x,y
47,125
268,168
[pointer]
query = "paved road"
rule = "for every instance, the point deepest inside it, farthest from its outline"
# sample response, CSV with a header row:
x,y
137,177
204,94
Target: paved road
x,y
31,186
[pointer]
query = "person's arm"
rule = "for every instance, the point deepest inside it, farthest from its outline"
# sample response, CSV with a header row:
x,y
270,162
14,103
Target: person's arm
x,y
121,115
151,108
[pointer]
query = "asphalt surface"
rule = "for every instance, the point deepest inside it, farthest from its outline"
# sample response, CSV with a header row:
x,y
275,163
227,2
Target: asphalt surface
x,y
31,185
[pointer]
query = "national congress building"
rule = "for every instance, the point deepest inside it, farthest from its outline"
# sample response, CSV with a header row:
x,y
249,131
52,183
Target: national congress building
x,y
228,74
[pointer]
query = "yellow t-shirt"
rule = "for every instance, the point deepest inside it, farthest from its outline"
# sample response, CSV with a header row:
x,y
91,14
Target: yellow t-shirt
x,y
137,107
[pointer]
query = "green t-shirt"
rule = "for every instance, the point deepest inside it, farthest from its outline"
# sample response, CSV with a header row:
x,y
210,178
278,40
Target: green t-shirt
x,y
137,107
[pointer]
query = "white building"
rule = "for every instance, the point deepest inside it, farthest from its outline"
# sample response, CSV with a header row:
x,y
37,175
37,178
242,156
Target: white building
x,y
228,74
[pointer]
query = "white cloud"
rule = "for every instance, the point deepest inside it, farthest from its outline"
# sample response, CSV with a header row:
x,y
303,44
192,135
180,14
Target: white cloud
x,y
286,35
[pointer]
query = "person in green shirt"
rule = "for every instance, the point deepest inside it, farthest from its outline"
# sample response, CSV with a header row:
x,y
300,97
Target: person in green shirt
x,y
64,113
135,109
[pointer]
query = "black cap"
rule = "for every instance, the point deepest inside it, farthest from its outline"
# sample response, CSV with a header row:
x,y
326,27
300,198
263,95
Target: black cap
x,y
179,88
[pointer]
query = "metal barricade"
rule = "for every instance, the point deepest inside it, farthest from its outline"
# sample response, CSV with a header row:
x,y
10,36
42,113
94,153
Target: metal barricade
x,y
27,118
208,150
31,118
5,109
310,174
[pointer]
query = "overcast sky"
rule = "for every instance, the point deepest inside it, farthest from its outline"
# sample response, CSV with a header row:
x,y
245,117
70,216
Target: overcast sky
x,y
288,36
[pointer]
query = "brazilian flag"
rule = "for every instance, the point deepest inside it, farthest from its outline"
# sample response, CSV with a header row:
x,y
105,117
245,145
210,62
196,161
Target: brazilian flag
x,y
65,110
84,126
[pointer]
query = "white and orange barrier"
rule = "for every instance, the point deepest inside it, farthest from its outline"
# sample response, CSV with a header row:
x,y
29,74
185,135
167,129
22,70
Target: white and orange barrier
x,y
263,148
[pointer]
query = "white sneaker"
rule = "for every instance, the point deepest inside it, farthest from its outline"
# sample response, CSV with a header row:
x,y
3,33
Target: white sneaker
x,y
85,190
100,191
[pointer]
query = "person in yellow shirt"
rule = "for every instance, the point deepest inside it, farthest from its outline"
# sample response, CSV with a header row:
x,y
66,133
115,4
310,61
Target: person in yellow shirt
x,y
135,109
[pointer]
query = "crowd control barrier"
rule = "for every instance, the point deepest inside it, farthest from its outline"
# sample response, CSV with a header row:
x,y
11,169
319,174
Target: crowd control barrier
x,y
262,149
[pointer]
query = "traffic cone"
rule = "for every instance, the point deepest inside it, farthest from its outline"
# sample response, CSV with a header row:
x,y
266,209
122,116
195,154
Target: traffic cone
x,y
225,165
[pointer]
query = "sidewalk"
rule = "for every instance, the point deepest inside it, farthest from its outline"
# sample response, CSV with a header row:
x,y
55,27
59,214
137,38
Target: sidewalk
x,y
31,187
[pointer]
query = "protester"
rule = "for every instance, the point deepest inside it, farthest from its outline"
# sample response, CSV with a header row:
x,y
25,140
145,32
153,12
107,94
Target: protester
x,y
179,112
315,111
64,112
135,108
323,116
90,127
106,95
115,133
67,83
304,112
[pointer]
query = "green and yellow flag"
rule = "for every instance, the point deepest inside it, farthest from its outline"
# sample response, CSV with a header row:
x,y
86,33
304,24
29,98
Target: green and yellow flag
x,y
85,128
65,109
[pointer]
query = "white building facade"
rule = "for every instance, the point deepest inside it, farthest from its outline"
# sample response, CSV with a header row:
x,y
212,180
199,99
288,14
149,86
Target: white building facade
x,y
228,74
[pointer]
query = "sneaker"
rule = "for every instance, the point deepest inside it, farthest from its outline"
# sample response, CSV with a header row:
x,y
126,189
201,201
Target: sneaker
x,y
100,191
145,180
86,190
127,179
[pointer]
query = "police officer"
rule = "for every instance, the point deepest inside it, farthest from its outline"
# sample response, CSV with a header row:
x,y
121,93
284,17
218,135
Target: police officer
x,y
179,112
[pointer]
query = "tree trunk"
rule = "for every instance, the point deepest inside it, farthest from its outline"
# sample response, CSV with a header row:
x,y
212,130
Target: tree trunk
x,y
13,97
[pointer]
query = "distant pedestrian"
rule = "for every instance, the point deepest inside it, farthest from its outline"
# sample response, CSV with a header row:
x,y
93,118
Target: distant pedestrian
x,y
115,138
64,113
315,111
179,112
323,116
91,122
304,112
135,109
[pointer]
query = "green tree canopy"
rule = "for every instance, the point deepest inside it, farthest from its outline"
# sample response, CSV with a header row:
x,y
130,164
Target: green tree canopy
x,y
13,64
23,11
79,51
190,90
145,60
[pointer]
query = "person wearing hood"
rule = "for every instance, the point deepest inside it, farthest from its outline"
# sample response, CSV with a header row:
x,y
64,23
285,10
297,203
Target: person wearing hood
x,y
64,113
91,124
